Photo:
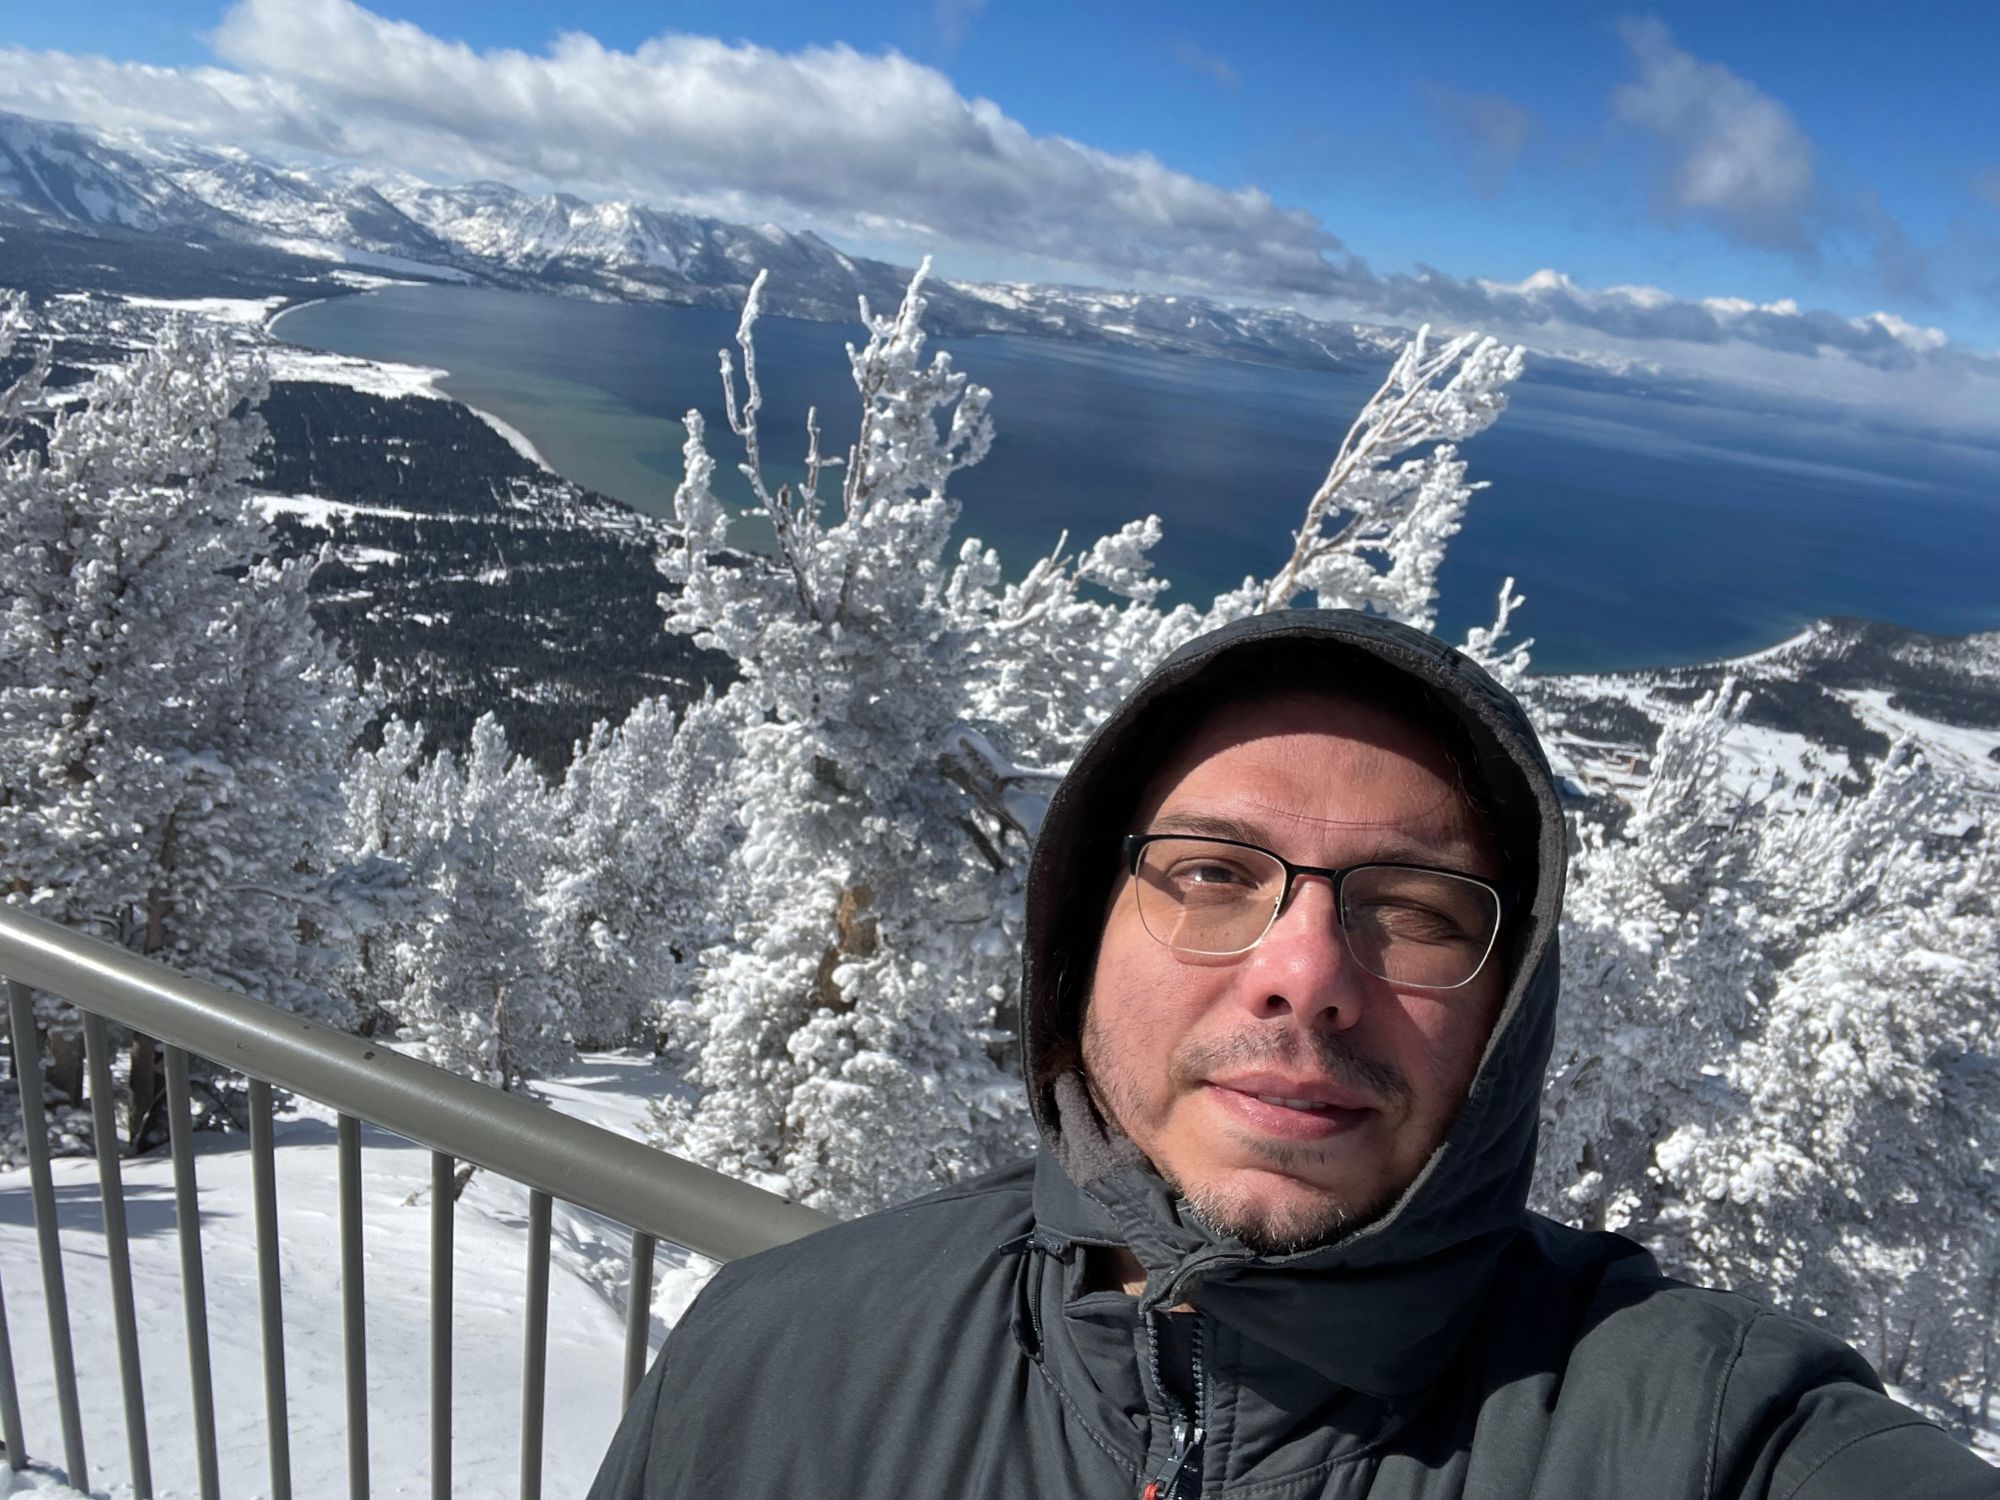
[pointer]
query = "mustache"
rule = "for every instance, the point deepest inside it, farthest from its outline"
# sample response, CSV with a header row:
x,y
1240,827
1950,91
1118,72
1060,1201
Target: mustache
x,y
1335,1056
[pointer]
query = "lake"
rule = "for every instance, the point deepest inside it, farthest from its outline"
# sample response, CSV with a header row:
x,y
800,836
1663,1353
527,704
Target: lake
x,y
1644,531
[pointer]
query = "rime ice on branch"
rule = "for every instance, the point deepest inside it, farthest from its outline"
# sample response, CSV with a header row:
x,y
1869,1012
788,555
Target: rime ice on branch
x,y
1433,395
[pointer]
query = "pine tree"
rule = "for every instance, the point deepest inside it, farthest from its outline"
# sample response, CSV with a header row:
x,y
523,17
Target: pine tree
x,y
637,880
465,982
171,724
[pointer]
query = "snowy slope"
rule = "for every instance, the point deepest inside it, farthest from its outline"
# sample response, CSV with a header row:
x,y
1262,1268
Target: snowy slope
x,y
1823,704
586,1330
65,172
68,177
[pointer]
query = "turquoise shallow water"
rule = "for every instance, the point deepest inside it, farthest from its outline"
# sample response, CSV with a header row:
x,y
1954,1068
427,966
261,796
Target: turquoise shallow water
x,y
1643,530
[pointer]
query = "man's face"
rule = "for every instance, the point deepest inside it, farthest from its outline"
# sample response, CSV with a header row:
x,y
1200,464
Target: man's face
x,y
1178,1049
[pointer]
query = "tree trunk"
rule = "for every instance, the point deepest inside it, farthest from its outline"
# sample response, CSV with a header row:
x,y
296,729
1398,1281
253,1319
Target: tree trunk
x,y
142,1120
64,1050
148,1102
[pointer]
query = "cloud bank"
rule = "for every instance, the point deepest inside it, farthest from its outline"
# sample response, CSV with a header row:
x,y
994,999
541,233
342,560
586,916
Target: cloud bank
x,y
1729,154
884,149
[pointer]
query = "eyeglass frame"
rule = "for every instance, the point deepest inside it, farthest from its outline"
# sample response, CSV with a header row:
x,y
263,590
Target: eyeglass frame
x,y
1504,898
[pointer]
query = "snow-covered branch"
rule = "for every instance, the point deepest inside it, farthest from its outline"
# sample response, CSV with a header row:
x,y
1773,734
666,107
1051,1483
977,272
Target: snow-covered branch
x,y
1433,395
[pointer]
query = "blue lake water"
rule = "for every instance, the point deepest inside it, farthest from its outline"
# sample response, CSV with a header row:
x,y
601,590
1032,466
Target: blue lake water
x,y
1643,530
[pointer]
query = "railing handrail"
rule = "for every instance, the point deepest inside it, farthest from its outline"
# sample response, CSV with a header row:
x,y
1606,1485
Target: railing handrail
x,y
638,1185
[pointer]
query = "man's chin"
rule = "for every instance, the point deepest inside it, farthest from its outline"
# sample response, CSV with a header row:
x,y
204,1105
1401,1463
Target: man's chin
x,y
1282,1222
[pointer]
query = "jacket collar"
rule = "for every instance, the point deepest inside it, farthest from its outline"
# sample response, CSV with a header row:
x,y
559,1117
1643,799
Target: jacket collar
x,y
1366,1317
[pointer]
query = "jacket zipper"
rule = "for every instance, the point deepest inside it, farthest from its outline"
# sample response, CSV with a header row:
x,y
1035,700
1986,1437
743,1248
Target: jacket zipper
x,y
1188,1433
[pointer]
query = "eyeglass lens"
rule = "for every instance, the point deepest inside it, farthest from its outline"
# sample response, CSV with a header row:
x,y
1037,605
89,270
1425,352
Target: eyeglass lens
x,y
1414,927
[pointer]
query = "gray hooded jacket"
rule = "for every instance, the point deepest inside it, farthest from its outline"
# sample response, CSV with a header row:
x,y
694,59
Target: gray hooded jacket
x,y
1456,1346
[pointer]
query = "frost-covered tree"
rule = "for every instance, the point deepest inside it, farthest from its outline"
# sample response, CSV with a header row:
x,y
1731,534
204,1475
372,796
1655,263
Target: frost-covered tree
x,y
1375,531
639,874
459,973
171,724
393,817
843,1029
1778,1061
895,725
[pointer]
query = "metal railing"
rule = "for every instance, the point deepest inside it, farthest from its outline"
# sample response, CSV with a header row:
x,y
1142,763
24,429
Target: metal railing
x,y
660,1197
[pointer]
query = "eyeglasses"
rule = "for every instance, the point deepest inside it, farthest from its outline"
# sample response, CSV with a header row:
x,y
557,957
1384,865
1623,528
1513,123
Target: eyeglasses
x,y
1408,924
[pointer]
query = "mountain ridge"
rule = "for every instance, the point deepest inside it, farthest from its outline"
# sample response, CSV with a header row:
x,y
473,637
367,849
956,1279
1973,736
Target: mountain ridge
x,y
57,178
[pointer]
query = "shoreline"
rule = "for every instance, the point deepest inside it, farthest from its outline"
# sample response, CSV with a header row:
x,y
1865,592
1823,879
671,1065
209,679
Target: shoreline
x,y
516,439
433,383
279,315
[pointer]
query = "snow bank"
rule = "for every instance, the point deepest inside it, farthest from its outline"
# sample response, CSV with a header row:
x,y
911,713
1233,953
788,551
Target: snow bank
x,y
227,309
586,1329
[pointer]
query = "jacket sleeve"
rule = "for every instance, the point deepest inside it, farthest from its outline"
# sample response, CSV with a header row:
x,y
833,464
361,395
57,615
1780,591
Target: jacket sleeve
x,y
1803,1417
629,1459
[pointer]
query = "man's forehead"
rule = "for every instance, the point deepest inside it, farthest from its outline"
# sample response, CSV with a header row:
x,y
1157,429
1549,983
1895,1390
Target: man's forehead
x,y
1291,769
1313,736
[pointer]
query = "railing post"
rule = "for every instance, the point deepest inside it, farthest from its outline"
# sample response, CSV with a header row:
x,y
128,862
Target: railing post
x,y
35,1129
194,1286
534,1364
10,1398
117,1251
353,1308
270,1291
638,1313
443,1186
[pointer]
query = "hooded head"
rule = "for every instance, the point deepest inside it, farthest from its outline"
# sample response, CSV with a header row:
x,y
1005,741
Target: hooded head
x,y
1427,761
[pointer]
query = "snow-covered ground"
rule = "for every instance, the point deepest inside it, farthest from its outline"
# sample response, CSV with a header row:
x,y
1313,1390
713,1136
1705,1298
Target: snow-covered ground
x,y
227,309
586,1320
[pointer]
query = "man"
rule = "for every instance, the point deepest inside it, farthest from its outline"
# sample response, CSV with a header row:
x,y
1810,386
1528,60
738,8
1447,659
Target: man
x,y
1289,991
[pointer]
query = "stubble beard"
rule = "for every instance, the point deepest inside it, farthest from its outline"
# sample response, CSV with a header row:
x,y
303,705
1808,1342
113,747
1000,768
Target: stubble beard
x,y
1304,1222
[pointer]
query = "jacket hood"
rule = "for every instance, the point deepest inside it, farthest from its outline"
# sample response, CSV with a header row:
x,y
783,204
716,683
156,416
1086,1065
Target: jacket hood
x,y
1382,1309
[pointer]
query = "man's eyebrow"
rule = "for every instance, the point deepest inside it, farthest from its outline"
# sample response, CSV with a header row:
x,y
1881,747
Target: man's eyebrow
x,y
1209,825
1396,851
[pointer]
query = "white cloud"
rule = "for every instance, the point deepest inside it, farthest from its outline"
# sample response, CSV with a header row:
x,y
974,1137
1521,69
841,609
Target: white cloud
x,y
1730,154
882,149
1190,55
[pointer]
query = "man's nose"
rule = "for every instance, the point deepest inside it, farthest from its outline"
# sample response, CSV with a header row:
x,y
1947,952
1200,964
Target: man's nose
x,y
1303,966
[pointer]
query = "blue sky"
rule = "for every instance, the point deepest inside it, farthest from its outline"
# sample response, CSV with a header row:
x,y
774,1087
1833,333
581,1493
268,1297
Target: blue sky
x,y
1726,155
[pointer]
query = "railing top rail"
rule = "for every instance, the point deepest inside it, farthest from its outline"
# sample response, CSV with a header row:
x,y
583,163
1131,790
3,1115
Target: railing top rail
x,y
674,1200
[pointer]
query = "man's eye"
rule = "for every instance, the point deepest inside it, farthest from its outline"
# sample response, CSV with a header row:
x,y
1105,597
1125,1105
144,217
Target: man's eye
x,y
1410,921
1210,873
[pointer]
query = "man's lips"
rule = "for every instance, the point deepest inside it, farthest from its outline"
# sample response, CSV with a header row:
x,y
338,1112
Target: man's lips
x,y
1301,1109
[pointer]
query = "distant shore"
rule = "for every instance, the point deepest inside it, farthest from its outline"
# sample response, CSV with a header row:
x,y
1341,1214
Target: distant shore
x,y
1642,532
433,382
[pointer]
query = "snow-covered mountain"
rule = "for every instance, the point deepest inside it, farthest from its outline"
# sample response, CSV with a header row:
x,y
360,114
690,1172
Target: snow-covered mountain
x,y
63,180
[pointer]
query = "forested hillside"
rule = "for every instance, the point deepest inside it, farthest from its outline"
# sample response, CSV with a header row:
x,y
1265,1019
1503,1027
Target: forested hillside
x,y
463,579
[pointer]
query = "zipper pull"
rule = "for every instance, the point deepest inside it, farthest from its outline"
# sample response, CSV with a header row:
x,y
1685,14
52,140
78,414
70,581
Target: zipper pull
x,y
1165,1484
